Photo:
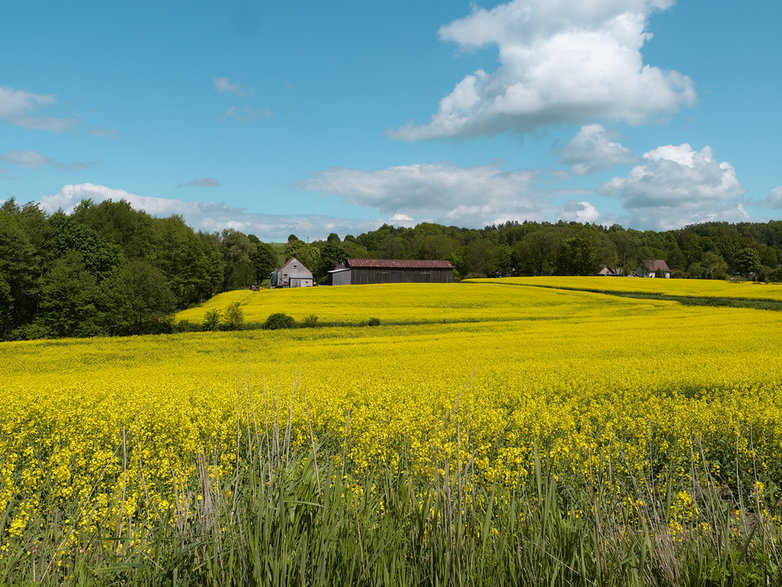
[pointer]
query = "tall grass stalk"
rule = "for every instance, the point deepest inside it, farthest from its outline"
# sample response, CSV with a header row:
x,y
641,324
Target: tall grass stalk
x,y
298,514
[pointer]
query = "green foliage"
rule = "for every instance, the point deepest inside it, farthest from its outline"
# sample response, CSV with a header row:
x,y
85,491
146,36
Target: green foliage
x,y
279,321
331,254
264,260
110,237
70,299
310,321
747,262
373,322
136,300
711,266
212,319
577,256
233,317
290,515
238,263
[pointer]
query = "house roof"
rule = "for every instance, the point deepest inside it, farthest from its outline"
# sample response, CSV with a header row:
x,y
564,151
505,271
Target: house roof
x,y
399,264
652,265
301,266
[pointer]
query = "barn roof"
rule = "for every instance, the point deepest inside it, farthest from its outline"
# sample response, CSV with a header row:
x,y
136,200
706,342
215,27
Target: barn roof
x,y
398,264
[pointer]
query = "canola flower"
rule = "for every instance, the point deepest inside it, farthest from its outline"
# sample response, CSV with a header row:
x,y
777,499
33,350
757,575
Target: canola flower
x,y
492,377
708,288
401,303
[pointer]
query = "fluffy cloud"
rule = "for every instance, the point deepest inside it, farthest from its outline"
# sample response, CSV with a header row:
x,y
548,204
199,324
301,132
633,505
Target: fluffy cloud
x,y
593,150
201,182
674,186
31,159
583,212
226,86
560,61
469,196
213,216
774,199
19,108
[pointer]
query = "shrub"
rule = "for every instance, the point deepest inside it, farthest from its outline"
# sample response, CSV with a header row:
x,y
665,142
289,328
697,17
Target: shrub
x,y
211,319
234,317
186,326
279,321
310,321
373,322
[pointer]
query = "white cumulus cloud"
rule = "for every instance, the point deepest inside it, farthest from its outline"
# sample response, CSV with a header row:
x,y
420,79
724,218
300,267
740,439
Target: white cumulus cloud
x,y
560,61
674,186
593,149
213,216
20,108
467,196
574,211
774,199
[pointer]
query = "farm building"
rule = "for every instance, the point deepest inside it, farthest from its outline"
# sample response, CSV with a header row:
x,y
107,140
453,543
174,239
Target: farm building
x,y
650,268
607,271
366,271
292,274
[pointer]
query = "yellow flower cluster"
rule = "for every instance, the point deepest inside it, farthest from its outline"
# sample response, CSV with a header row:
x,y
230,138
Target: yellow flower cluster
x,y
483,377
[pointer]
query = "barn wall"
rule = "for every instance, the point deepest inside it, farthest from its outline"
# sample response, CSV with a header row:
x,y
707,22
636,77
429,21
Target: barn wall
x,y
363,275
341,278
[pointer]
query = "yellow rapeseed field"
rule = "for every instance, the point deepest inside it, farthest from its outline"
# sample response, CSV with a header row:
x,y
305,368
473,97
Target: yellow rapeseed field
x,y
674,287
488,376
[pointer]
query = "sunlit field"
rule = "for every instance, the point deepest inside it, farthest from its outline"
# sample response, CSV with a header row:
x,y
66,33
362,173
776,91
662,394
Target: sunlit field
x,y
673,287
659,422
405,303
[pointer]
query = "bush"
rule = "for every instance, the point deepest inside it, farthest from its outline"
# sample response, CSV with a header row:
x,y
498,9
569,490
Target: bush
x,y
310,321
211,319
186,326
279,321
373,322
234,317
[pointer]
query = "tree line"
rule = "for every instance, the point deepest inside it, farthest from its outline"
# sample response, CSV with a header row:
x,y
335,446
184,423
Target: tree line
x,y
108,269
714,250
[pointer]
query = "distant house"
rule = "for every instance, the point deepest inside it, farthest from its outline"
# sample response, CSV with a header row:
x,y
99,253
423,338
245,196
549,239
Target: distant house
x,y
292,274
367,271
607,271
650,268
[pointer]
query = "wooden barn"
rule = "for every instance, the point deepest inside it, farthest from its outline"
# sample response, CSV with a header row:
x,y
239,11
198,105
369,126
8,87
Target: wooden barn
x,y
366,271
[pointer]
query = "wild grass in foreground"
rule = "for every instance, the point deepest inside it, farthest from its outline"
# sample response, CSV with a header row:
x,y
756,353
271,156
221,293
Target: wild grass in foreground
x,y
287,516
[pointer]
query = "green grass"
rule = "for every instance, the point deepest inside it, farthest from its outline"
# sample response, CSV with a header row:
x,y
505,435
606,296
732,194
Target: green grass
x,y
297,517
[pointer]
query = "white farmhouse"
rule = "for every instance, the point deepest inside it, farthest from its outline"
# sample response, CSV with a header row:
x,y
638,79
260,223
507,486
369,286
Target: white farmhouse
x,y
292,274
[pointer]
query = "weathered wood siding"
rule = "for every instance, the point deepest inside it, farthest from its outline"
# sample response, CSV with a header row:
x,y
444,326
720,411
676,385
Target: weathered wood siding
x,y
341,277
363,276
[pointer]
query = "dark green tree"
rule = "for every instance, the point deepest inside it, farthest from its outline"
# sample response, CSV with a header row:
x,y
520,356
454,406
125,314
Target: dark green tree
x,y
20,271
747,262
264,259
136,299
69,299
238,251
577,256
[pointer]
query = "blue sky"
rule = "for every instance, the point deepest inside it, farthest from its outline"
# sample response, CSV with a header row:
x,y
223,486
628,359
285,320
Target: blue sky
x,y
313,118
